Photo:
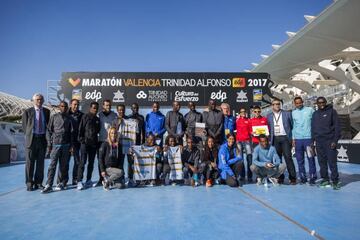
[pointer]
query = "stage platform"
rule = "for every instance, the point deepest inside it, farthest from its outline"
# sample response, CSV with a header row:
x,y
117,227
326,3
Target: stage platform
x,y
181,212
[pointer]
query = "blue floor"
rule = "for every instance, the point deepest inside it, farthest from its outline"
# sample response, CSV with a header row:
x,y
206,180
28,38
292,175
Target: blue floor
x,y
181,212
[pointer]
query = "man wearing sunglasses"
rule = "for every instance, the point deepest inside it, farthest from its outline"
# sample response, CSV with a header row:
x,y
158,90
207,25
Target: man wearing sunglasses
x,y
325,134
255,121
281,124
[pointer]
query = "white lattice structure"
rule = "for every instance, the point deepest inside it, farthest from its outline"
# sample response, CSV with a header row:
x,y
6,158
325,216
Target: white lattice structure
x,y
12,106
321,59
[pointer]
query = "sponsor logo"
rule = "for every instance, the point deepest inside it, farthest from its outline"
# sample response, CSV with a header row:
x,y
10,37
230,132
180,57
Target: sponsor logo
x,y
257,95
220,95
118,96
95,95
238,82
157,96
141,95
342,155
241,97
74,82
183,96
77,94
101,82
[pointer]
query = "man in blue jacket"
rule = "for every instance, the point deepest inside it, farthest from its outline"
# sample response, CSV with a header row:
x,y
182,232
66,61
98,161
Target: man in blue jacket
x,y
155,124
281,124
266,162
325,134
302,140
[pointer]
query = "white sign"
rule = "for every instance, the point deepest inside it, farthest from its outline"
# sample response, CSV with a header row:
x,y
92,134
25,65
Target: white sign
x,y
95,95
342,155
220,95
241,97
141,95
186,96
118,97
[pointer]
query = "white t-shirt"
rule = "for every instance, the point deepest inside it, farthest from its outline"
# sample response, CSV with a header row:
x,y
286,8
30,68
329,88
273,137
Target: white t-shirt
x,y
279,129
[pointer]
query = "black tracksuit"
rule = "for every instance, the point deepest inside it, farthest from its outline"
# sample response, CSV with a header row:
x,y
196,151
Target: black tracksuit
x,y
214,123
88,138
59,138
75,118
325,129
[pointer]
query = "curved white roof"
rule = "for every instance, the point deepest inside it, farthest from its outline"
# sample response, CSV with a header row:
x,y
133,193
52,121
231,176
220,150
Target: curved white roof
x,y
12,106
323,37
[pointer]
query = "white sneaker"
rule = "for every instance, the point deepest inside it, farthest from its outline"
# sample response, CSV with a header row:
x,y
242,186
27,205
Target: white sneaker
x,y
80,186
266,183
59,187
152,183
259,181
274,181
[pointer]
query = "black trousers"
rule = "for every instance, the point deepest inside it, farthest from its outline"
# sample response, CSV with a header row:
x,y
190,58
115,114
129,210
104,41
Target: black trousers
x,y
283,149
130,165
58,154
188,173
159,169
327,158
35,156
98,157
208,171
237,167
76,156
88,153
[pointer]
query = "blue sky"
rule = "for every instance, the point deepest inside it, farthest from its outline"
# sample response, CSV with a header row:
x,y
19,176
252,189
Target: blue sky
x,y
40,39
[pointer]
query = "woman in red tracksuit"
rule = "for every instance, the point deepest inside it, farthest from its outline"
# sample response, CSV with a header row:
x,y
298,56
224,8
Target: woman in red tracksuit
x,y
257,120
243,134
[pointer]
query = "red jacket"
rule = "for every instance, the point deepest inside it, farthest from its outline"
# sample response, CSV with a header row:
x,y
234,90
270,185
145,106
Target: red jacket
x,y
243,129
258,122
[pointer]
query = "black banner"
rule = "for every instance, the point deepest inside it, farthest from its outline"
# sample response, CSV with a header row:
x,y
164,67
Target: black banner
x,y
348,151
237,89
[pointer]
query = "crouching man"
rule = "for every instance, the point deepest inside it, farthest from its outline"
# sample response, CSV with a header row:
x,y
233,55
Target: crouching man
x,y
266,162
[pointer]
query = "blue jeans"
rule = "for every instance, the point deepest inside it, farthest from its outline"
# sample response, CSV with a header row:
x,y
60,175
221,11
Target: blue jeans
x,y
246,147
303,146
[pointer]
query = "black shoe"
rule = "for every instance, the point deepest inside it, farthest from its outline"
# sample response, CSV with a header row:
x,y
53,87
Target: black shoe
x,y
47,189
29,188
312,182
38,186
74,182
293,182
250,180
303,181
240,182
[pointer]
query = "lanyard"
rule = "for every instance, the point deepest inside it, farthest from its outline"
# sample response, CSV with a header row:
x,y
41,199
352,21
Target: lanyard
x,y
277,120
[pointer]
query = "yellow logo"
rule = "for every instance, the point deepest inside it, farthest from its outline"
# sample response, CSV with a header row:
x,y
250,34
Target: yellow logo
x,y
74,82
238,82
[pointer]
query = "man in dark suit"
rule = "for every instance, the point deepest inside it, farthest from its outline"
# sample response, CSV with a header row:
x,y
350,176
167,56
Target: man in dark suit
x,y
281,124
34,122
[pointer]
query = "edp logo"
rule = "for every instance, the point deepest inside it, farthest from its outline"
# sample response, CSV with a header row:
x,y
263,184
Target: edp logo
x,y
95,95
220,95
